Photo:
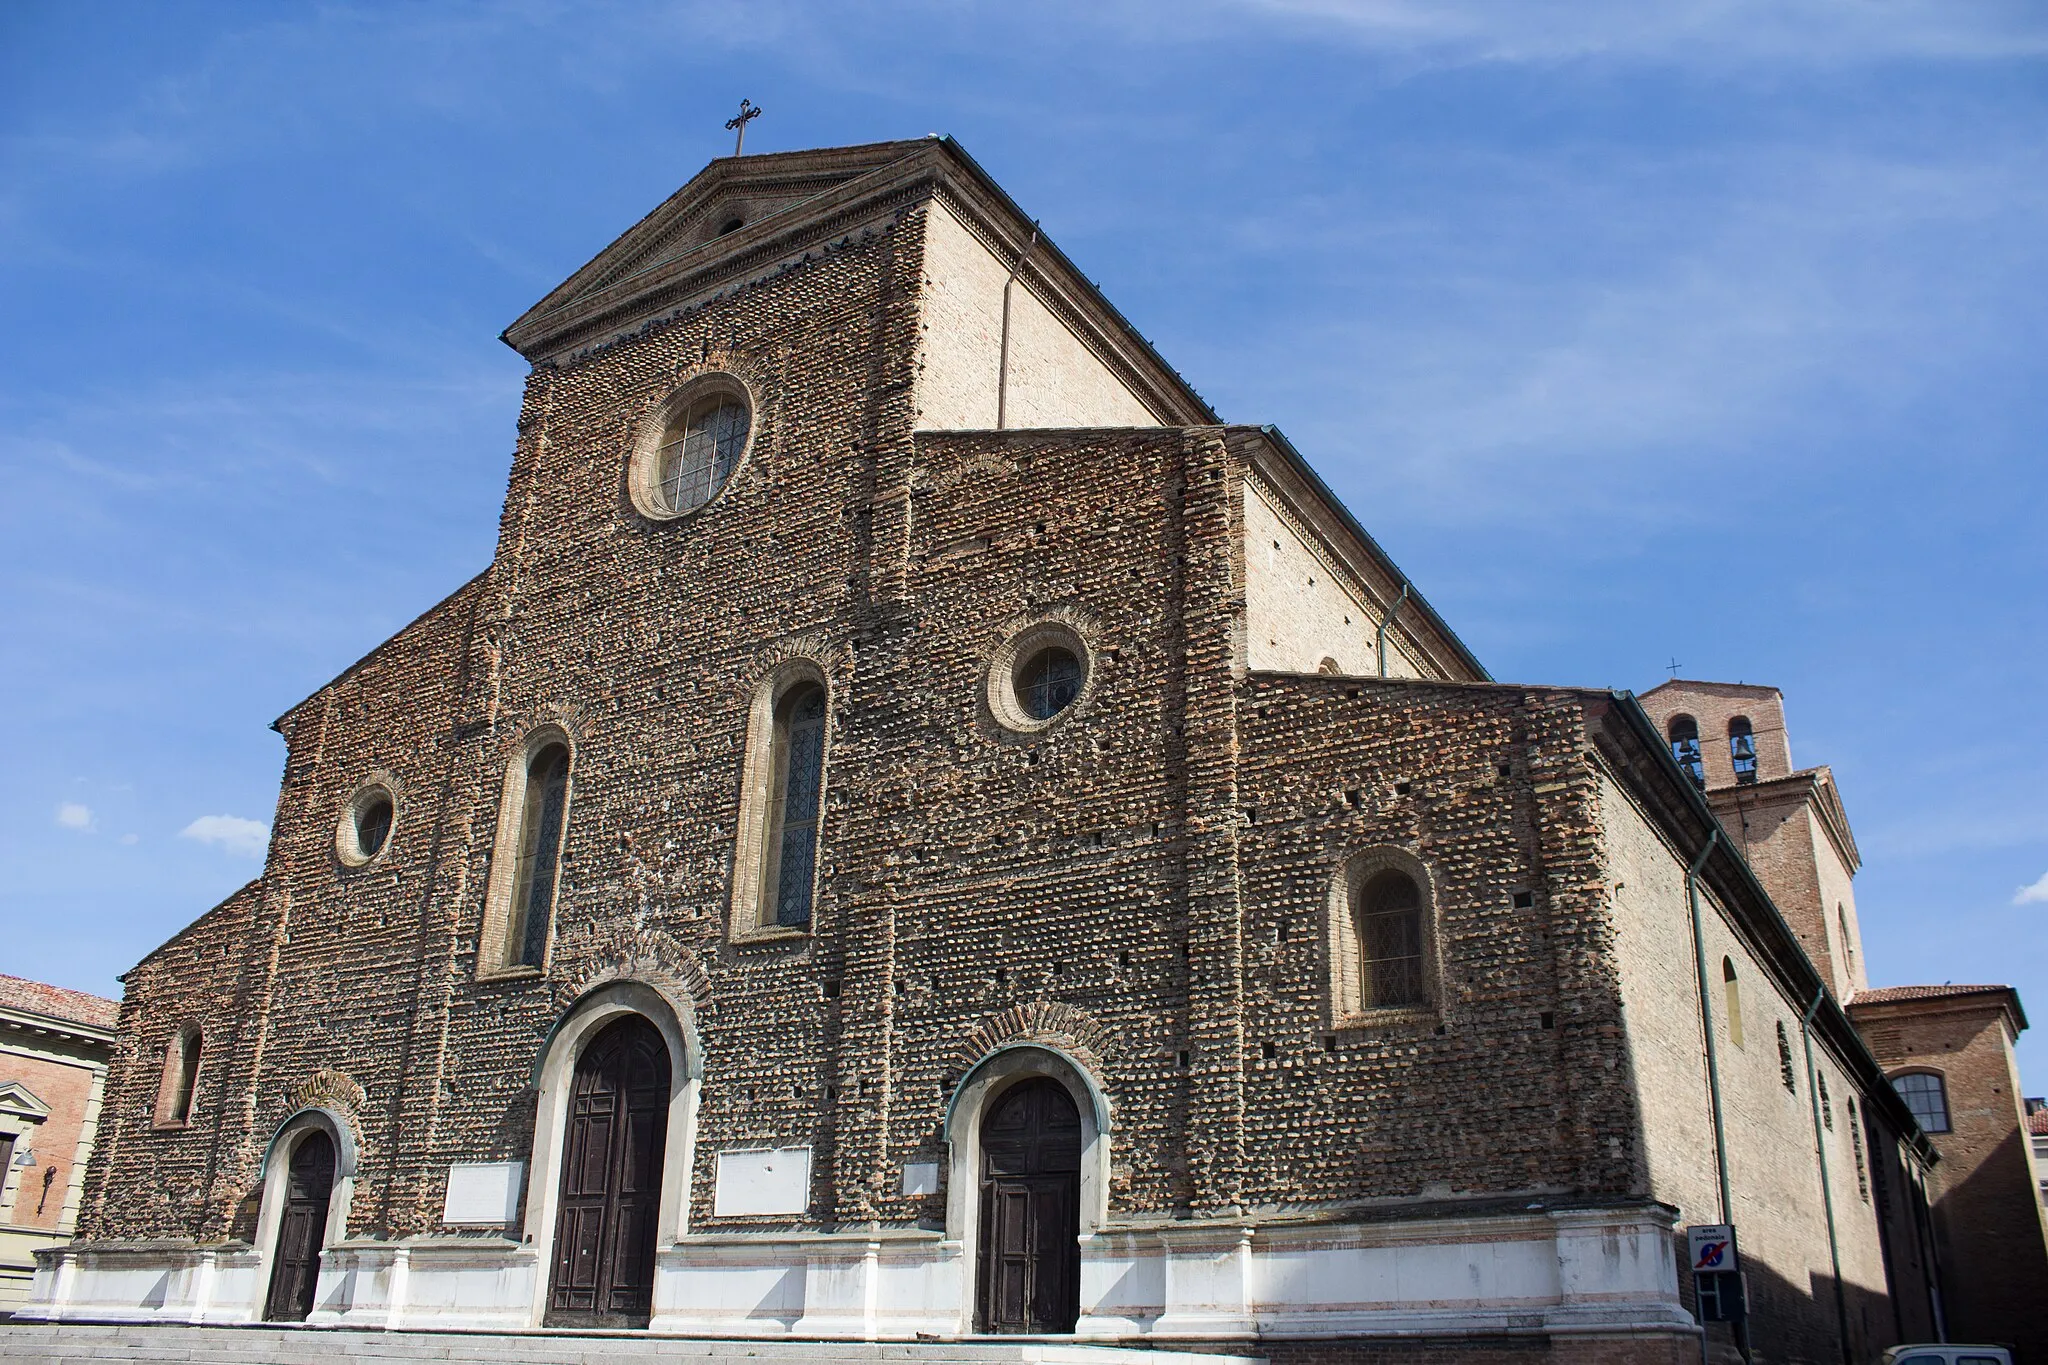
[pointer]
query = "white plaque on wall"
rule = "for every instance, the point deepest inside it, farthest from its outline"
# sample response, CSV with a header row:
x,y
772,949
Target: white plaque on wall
x,y
483,1192
762,1181
920,1177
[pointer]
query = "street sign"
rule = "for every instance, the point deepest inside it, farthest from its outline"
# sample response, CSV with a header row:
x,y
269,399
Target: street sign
x,y
1712,1247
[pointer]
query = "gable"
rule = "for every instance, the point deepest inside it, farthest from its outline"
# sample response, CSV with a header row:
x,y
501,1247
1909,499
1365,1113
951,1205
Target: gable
x,y
18,1101
688,242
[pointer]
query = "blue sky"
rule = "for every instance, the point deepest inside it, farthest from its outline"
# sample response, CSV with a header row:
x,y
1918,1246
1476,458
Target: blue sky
x,y
1708,330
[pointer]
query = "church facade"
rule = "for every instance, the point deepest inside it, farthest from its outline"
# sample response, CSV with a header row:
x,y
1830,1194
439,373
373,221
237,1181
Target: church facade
x,y
921,829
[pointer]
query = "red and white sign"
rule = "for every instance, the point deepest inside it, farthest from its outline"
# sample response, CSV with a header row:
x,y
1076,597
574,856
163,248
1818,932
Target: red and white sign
x,y
1712,1247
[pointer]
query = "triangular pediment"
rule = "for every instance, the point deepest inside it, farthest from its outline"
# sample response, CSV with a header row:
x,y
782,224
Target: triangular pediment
x,y
734,208
19,1101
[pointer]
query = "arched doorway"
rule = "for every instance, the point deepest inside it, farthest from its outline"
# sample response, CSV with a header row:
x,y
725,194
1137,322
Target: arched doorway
x,y
295,1266
1028,1279
617,1128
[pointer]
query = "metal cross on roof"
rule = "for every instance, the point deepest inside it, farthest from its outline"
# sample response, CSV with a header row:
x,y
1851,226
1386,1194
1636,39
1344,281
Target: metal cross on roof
x,y
1672,668
738,124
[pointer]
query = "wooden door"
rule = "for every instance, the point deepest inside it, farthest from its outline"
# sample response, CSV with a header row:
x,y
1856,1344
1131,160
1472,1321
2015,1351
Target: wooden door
x,y
1029,1276
611,1180
295,1267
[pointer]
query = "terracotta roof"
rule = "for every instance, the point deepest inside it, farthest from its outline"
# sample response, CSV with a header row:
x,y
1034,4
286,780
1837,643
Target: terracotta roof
x,y
1887,993
54,1002
2037,1123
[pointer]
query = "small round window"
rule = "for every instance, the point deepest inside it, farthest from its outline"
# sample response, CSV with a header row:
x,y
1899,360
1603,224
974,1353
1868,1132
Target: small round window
x,y
365,826
689,449
1038,677
1048,682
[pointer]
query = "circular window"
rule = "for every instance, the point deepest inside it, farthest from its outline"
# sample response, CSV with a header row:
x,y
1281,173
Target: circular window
x,y
689,450
1048,682
1038,677
365,826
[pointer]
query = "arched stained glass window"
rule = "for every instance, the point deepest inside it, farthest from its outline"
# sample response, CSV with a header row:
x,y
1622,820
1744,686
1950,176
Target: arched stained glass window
x,y
799,786
1389,910
1927,1097
699,449
1685,747
542,823
1742,749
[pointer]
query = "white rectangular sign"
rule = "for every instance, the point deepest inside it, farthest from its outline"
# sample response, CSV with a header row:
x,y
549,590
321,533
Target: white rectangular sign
x,y
1712,1247
483,1192
761,1181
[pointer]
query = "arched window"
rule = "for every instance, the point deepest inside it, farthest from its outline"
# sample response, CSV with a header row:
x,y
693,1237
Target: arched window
x,y
1388,908
1731,996
1848,944
1927,1097
1329,667
799,758
1742,749
180,1076
541,825
1785,1073
1827,1110
1685,747
526,862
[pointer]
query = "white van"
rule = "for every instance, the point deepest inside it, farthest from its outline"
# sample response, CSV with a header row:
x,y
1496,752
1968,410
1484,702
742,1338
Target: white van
x,y
1947,1355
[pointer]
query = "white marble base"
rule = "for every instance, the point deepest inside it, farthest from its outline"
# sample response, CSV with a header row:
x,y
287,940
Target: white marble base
x,y
1540,1272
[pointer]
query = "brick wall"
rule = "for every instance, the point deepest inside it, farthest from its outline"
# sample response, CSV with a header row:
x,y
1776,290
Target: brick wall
x,y
1992,1230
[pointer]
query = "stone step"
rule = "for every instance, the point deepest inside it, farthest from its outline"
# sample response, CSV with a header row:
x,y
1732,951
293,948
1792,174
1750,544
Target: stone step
x,y
177,1344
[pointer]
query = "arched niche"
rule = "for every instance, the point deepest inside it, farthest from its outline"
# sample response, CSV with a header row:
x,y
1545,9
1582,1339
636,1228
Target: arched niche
x,y
553,1074
983,1084
277,1160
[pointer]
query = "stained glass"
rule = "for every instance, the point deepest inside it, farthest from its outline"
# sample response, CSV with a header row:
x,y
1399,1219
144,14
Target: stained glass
x,y
540,852
803,778
1049,683
699,452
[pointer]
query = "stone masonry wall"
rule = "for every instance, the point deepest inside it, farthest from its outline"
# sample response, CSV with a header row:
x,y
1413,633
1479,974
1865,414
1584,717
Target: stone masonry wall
x,y
1503,1083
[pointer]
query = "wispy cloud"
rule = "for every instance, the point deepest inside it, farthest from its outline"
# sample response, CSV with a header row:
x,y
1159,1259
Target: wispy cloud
x,y
1808,32
2035,894
243,838
73,815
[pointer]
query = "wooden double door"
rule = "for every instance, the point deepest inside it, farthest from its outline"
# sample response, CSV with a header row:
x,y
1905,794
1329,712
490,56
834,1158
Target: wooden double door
x,y
295,1263
1029,1277
603,1273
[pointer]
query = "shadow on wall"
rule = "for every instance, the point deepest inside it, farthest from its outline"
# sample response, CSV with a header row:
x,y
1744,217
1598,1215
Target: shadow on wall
x,y
1791,1322
1994,1259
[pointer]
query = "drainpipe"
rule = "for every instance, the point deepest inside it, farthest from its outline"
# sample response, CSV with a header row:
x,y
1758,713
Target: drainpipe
x,y
1003,349
1827,1193
1699,957
1380,644
1699,953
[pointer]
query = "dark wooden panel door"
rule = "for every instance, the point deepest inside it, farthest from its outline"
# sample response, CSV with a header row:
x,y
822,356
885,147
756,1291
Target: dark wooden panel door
x,y
611,1180
295,1265
1029,1278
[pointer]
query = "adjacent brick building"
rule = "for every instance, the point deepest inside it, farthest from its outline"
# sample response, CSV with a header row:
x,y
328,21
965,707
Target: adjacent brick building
x,y
1948,1049
54,1045
920,829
